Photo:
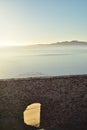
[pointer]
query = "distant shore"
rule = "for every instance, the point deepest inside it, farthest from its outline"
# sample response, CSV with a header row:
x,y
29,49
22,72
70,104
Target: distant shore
x,y
63,100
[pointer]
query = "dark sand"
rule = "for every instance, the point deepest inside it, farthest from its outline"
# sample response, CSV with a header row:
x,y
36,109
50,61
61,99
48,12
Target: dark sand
x,y
63,100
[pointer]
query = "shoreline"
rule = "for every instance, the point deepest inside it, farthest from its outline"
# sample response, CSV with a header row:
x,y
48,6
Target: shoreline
x,y
42,77
63,100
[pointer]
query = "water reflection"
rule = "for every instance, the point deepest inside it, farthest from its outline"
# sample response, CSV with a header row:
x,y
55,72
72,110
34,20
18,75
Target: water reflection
x,y
16,62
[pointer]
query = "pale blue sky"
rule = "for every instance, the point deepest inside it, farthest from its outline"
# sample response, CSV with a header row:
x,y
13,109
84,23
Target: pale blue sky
x,y
42,21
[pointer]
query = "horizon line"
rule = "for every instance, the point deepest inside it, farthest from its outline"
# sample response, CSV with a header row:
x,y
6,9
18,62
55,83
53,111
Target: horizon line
x,y
37,43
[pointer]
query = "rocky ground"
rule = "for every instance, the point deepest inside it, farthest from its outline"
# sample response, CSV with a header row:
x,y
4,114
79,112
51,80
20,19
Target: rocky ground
x,y
63,102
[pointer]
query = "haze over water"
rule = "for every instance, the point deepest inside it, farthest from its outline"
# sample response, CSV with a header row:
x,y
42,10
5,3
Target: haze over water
x,y
42,60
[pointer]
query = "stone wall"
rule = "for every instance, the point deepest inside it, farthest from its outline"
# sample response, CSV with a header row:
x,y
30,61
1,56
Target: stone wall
x,y
63,101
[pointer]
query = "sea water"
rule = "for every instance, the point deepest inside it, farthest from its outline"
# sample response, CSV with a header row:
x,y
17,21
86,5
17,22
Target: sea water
x,y
42,60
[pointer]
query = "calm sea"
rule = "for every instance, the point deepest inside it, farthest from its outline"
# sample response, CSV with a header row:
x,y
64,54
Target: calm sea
x,y
42,60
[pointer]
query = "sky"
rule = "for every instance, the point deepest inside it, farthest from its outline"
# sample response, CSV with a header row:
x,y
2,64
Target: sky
x,y
42,21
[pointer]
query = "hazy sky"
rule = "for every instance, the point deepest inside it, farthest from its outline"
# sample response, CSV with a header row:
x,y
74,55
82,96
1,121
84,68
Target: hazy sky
x,y
42,21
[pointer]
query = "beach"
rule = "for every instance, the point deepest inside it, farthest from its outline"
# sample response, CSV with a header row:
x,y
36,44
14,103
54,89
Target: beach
x,y
63,101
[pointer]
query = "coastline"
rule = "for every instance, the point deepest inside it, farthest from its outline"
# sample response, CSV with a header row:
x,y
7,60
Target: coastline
x,y
63,100
43,77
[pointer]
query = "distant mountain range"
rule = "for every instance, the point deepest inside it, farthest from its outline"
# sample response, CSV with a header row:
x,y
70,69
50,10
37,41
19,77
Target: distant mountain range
x,y
74,42
70,43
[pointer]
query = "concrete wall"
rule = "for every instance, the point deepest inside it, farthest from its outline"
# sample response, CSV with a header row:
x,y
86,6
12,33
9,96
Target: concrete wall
x,y
63,100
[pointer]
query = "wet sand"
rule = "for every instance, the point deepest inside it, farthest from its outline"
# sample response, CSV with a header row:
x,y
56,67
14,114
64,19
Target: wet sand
x,y
63,100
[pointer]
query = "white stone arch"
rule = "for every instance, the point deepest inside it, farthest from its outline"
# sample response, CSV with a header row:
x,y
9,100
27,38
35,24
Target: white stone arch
x,y
32,114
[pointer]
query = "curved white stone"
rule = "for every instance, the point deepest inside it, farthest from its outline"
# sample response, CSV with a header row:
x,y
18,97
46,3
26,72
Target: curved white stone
x,y
32,115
